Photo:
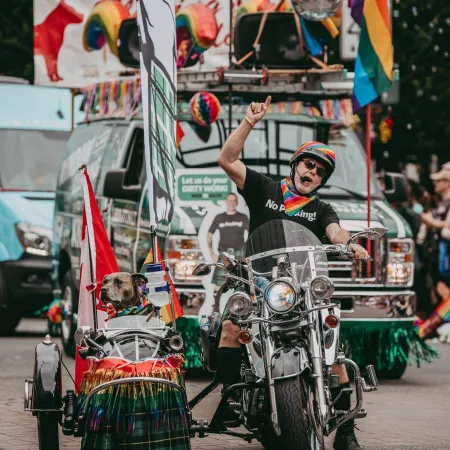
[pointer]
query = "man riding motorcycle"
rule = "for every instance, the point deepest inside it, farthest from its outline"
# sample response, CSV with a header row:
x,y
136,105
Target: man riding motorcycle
x,y
292,199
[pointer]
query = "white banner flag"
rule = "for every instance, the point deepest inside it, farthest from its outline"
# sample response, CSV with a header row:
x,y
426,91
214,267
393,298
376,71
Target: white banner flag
x,y
156,21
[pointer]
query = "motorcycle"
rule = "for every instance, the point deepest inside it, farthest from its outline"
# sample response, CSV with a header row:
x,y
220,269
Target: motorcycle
x,y
282,300
289,324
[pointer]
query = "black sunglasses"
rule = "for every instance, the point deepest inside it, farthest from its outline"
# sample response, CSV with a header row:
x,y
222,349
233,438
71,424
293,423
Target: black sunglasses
x,y
311,165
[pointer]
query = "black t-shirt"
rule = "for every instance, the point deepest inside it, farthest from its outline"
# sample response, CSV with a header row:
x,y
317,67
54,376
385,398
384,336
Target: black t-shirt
x,y
232,228
265,202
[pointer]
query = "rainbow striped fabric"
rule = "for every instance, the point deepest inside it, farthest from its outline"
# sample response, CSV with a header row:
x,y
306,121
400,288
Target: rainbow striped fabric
x,y
374,63
293,202
320,146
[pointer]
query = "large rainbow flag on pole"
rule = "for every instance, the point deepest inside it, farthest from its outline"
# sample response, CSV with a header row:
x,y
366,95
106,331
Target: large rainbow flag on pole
x,y
374,63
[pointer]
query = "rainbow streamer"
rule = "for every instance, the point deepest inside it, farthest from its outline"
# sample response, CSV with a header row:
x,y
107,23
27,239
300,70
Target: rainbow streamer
x,y
293,203
117,98
374,63
197,22
103,24
444,310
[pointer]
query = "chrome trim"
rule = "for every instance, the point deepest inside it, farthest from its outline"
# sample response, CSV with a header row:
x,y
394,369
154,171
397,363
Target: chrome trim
x,y
28,394
130,380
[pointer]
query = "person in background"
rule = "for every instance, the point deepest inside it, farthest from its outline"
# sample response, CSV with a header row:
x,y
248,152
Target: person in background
x,y
232,226
437,221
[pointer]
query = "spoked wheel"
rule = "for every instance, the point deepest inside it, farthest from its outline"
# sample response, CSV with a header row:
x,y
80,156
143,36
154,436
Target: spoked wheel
x,y
299,431
48,431
69,323
316,430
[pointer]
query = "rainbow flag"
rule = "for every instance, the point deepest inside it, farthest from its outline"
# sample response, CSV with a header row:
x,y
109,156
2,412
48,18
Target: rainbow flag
x,y
373,66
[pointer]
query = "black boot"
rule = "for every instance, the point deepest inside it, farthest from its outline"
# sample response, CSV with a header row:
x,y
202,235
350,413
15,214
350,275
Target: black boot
x,y
228,372
345,435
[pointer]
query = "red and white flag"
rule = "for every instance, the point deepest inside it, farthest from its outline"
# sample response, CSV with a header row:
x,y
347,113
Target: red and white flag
x,y
95,247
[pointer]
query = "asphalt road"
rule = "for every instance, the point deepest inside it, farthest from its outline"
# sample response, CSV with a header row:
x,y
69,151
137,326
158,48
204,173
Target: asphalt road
x,y
411,413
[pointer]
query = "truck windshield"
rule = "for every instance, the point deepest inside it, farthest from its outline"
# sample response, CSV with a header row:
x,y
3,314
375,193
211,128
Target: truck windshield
x,y
271,144
35,124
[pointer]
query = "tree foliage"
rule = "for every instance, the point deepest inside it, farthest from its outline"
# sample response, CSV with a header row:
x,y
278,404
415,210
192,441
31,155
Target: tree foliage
x,y
421,31
16,38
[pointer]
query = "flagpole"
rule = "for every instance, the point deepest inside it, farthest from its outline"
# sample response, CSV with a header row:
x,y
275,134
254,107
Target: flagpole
x,y
154,240
93,285
369,174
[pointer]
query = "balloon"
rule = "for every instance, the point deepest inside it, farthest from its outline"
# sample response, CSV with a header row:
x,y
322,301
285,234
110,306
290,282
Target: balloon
x,y
205,108
316,9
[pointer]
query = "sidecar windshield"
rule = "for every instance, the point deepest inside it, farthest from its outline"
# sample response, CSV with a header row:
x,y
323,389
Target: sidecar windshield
x,y
287,246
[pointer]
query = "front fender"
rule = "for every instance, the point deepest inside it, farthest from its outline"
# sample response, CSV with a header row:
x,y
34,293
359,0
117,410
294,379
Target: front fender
x,y
47,380
289,362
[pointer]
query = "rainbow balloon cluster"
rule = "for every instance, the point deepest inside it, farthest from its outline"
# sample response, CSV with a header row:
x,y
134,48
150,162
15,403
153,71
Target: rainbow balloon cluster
x,y
197,29
205,108
103,25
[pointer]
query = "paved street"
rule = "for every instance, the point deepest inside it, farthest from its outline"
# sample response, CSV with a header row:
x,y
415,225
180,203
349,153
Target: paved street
x,y
412,413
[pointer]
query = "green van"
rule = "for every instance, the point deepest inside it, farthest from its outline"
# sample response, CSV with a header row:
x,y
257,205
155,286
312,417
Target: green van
x,y
378,303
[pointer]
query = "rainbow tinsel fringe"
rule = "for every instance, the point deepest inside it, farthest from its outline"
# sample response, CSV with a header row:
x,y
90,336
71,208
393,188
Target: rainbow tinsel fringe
x,y
121,407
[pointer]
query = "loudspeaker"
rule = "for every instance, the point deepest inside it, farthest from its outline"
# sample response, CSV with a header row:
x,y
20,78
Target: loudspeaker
x,y
279,45
128,44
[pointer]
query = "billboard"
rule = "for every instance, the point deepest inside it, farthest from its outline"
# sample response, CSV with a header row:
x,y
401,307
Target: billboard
x,y
75,41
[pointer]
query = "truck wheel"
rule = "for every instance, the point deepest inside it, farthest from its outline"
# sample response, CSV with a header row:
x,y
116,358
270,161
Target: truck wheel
x,y
297,432
69,323
48,431
9,314
395,373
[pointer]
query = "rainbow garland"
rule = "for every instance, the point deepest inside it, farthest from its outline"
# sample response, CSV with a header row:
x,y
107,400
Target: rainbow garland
x,y
123,98
128,409
329,109
120,98
293,203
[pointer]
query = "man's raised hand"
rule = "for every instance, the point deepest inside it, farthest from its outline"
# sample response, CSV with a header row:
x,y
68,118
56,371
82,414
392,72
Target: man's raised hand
x,y
256,111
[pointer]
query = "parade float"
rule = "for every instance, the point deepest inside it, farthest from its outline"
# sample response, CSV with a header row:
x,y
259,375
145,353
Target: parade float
x,y
272,50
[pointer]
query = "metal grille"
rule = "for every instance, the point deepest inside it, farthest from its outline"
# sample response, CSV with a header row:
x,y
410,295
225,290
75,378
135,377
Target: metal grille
x,y
348,273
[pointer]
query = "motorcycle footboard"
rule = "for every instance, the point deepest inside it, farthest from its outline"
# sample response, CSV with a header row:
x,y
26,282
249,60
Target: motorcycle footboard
x,y
223,412
360,386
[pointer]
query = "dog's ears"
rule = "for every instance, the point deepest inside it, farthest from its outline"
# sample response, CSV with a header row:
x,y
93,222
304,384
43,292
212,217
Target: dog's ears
x,y
139,279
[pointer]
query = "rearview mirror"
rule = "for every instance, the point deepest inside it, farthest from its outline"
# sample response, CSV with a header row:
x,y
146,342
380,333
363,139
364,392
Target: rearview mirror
x,y
371,233
81,334
395,187
114,186
376,232
202,269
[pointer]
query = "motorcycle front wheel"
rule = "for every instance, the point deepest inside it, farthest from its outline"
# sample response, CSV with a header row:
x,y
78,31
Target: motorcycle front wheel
x,y
297,431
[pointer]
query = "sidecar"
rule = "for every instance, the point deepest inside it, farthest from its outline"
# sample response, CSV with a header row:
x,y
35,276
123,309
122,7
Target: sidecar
x,y
132,393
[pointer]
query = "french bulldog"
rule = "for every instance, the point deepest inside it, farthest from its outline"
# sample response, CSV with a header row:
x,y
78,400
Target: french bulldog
x,y
121,289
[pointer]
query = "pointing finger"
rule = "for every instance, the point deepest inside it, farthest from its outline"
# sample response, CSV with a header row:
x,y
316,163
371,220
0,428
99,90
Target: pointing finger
x,y
268,100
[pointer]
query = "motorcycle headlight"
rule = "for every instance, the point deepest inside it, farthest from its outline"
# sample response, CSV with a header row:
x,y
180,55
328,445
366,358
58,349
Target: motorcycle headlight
x,y
35,240
400,267
239,304
280,296
322,287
